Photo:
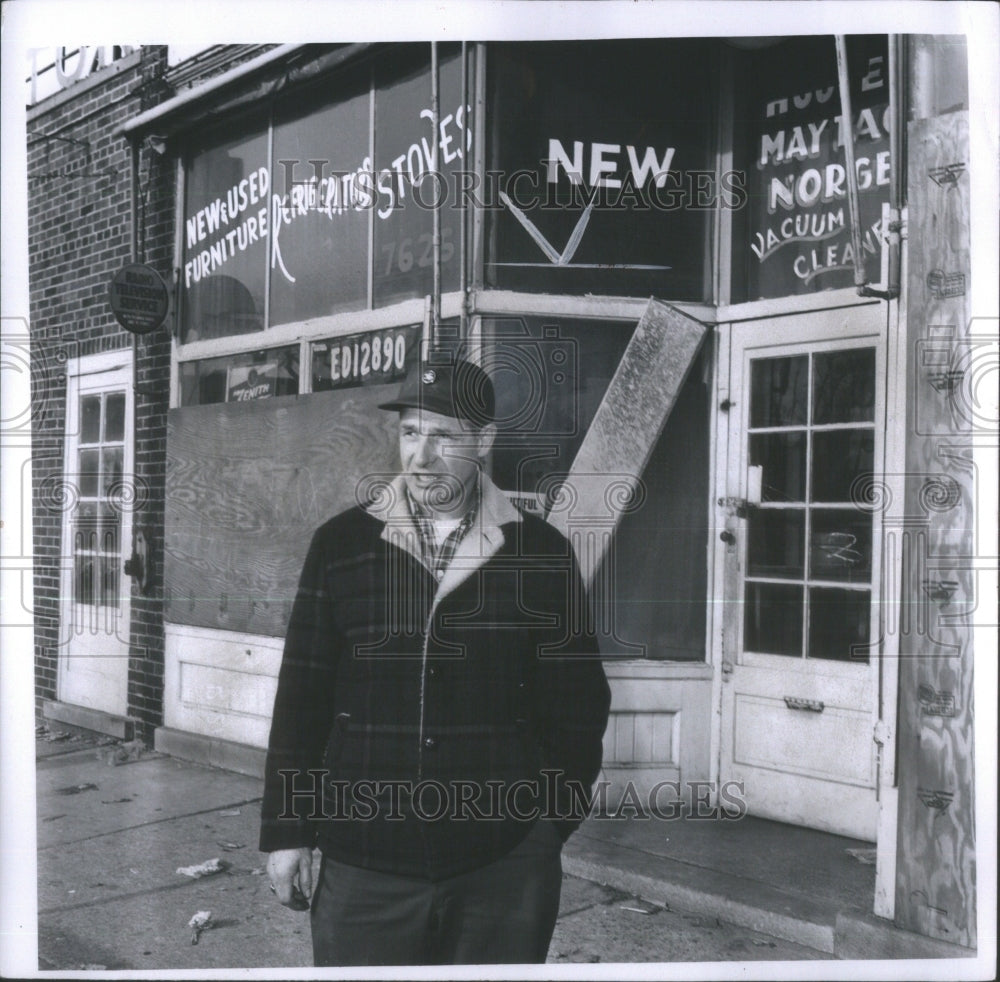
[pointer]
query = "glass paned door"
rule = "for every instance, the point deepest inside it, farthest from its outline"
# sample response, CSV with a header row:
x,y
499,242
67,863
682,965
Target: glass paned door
x,y
804,438
97,543
97,534
809,548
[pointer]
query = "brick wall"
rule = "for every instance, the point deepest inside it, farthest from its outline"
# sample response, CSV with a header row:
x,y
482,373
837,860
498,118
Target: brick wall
x,y
79,234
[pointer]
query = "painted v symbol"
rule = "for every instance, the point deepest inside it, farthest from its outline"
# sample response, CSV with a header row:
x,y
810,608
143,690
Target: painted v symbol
x,y
559,259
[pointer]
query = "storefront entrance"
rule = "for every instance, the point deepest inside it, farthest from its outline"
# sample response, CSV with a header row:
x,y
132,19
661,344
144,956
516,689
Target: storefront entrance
x,y
803,433
99,496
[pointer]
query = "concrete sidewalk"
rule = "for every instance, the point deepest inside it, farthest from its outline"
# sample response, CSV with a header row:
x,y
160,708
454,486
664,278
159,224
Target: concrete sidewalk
x,y
111,840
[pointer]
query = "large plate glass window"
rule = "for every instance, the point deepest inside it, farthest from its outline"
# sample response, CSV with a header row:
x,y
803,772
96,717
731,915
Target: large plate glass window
x,y
551,375
225,235
794,236
601,166
319,253
416,171
339,217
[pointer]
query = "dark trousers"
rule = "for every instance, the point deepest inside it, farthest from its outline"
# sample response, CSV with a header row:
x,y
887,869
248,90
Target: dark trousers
x,y
503,913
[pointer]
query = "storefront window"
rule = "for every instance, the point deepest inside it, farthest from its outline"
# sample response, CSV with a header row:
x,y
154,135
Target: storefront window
x,y
247,377
794,236
415,170
343,205
601,175
225,237
320,228
550,376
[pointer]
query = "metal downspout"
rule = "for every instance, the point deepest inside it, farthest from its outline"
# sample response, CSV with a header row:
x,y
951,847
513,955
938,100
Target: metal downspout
x,y
463,276
435,312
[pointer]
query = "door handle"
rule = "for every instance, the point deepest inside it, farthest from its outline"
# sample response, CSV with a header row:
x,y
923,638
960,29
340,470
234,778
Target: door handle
x,y
808,705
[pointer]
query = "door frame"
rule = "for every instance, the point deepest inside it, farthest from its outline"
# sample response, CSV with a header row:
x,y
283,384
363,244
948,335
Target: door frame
x,y
892,419
97,372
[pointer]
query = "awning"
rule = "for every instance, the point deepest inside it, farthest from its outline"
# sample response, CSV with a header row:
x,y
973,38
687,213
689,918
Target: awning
x,y
261,78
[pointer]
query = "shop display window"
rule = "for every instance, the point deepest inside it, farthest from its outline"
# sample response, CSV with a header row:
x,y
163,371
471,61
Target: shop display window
x,y
337,215
601,173
794,235
246,377
551,375
416,169
224,234
319,250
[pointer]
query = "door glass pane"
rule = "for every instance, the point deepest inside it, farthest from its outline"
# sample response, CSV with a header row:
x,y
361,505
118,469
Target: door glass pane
x,y
838,620
114,417
776,543
840,546
109,581
110,528
83,579
90,461
773,619
840,457
783,457
111,461
90,419
818,460
84,519
844,386
778,391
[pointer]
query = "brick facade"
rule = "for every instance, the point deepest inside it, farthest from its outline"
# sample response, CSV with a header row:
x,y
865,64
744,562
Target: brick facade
x,y
79,234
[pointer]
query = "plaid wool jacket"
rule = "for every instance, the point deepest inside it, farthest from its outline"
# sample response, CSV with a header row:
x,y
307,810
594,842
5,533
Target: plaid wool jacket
x,y
421,726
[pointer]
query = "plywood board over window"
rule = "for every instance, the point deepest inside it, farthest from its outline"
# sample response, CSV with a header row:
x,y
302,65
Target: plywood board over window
x,y
248,483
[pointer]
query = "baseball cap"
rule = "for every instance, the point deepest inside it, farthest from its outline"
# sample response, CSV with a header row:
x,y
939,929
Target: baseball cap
x,y
453,387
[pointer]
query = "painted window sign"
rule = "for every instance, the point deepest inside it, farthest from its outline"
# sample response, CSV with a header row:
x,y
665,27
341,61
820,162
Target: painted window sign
x,y
601,178
270,242
794,237
223,277
319,249
408,155
372,358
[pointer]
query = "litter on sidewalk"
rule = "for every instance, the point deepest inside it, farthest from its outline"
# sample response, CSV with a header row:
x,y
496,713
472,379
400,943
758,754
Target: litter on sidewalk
x,y
201,921
207,868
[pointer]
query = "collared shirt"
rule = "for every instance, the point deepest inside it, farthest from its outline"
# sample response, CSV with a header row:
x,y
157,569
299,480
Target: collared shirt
x,y
437,556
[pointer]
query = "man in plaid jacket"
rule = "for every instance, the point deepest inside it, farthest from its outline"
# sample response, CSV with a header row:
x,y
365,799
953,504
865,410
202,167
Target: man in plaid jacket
x,y
440,707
